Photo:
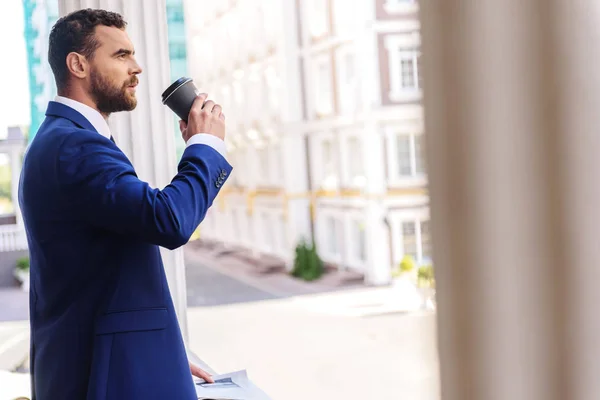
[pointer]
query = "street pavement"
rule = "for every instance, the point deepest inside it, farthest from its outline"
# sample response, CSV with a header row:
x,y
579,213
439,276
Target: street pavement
x,y
14,304
321,347
14,344
350,344
208,287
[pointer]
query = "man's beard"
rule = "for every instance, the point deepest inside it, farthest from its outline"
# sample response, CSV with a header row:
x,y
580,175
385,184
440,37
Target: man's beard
x,y
110,99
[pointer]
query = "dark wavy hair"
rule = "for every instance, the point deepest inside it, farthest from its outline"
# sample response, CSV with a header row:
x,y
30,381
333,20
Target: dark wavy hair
x,y
75,33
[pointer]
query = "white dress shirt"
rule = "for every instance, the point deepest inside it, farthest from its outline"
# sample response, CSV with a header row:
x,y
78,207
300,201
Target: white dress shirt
x,y
100,124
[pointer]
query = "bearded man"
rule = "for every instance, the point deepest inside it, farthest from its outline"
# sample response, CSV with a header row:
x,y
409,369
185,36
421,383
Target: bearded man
x,y
103,324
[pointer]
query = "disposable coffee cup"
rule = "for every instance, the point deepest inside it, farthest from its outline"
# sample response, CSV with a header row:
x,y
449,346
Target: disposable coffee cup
x,y
180,96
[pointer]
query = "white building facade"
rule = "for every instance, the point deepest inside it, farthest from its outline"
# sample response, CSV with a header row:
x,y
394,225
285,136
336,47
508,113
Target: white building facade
x,y
325,130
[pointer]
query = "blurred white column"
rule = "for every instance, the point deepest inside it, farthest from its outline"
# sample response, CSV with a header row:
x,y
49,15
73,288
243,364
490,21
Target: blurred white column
x,y
512,100
377,229
15,155
295,153
145,134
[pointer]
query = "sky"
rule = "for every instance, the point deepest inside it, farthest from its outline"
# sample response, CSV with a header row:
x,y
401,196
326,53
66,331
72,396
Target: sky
x,y
14,84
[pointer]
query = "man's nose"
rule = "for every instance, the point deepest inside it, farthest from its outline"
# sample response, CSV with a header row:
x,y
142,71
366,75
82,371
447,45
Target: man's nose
x,y
136,69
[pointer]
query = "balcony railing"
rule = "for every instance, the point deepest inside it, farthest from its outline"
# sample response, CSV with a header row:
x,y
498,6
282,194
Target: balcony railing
x,y
12,238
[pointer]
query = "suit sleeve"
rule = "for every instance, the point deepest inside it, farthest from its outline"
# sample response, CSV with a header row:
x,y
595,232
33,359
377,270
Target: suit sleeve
x,y
101,187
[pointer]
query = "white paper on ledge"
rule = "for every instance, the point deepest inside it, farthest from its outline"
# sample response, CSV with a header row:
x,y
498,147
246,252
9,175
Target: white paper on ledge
x,y
230,386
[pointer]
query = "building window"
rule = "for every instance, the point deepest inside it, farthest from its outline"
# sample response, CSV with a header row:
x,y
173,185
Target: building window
x,y
318,18
414,239
267,232
226,98
409,239
232,36
244,226
238,92
346,81
323,85
256,92
409,71
242,167
425,241
281,234
235,224
410,155
177,51
354,163
175,14
328,165
327,161
359,241
406,155
263,163
404,66
277,164
331,236
273,85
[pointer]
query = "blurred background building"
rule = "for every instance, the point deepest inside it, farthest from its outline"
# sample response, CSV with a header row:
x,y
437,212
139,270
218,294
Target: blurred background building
x,y
325,128
40,16
177,54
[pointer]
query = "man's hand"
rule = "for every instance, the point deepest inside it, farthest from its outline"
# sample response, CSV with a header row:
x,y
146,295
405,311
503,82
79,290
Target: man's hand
x,y
200,373
205,117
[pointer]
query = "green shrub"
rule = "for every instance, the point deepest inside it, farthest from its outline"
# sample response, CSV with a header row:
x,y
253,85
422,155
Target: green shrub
x,y
307,264
407,264
425,276
23,264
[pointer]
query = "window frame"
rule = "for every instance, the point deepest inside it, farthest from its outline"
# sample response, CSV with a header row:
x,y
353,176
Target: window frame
x,y
416,216
412,130
397,45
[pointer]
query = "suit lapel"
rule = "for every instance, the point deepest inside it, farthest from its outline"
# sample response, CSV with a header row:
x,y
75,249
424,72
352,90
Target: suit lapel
x,y
60,110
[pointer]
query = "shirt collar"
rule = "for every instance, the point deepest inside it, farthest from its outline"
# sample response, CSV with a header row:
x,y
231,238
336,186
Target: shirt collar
x,y
93,116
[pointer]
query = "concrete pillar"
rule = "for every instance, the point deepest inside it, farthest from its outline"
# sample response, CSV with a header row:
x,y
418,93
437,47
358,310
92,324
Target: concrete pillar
x,y
296,186
378,244
512,93
145,134
373,143
293,141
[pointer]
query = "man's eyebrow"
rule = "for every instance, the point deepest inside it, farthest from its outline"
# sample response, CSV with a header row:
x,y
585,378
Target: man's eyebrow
x,y
124,51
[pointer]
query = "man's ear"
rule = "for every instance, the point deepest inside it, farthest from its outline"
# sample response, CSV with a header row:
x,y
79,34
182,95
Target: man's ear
x,y
77,65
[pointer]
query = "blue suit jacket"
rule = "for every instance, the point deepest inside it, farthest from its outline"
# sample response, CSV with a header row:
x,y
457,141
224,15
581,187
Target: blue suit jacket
x,y
103,325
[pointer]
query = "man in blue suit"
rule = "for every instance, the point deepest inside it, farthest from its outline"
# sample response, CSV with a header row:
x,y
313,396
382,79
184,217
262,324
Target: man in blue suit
x,y
103,325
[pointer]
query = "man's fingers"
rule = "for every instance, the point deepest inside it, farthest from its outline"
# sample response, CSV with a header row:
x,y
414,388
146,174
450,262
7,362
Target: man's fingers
x,y
208,106
222,117
217,110
199,103
200,373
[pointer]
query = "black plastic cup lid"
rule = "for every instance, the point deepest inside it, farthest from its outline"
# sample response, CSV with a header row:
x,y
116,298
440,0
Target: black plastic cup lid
x,y
174,86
